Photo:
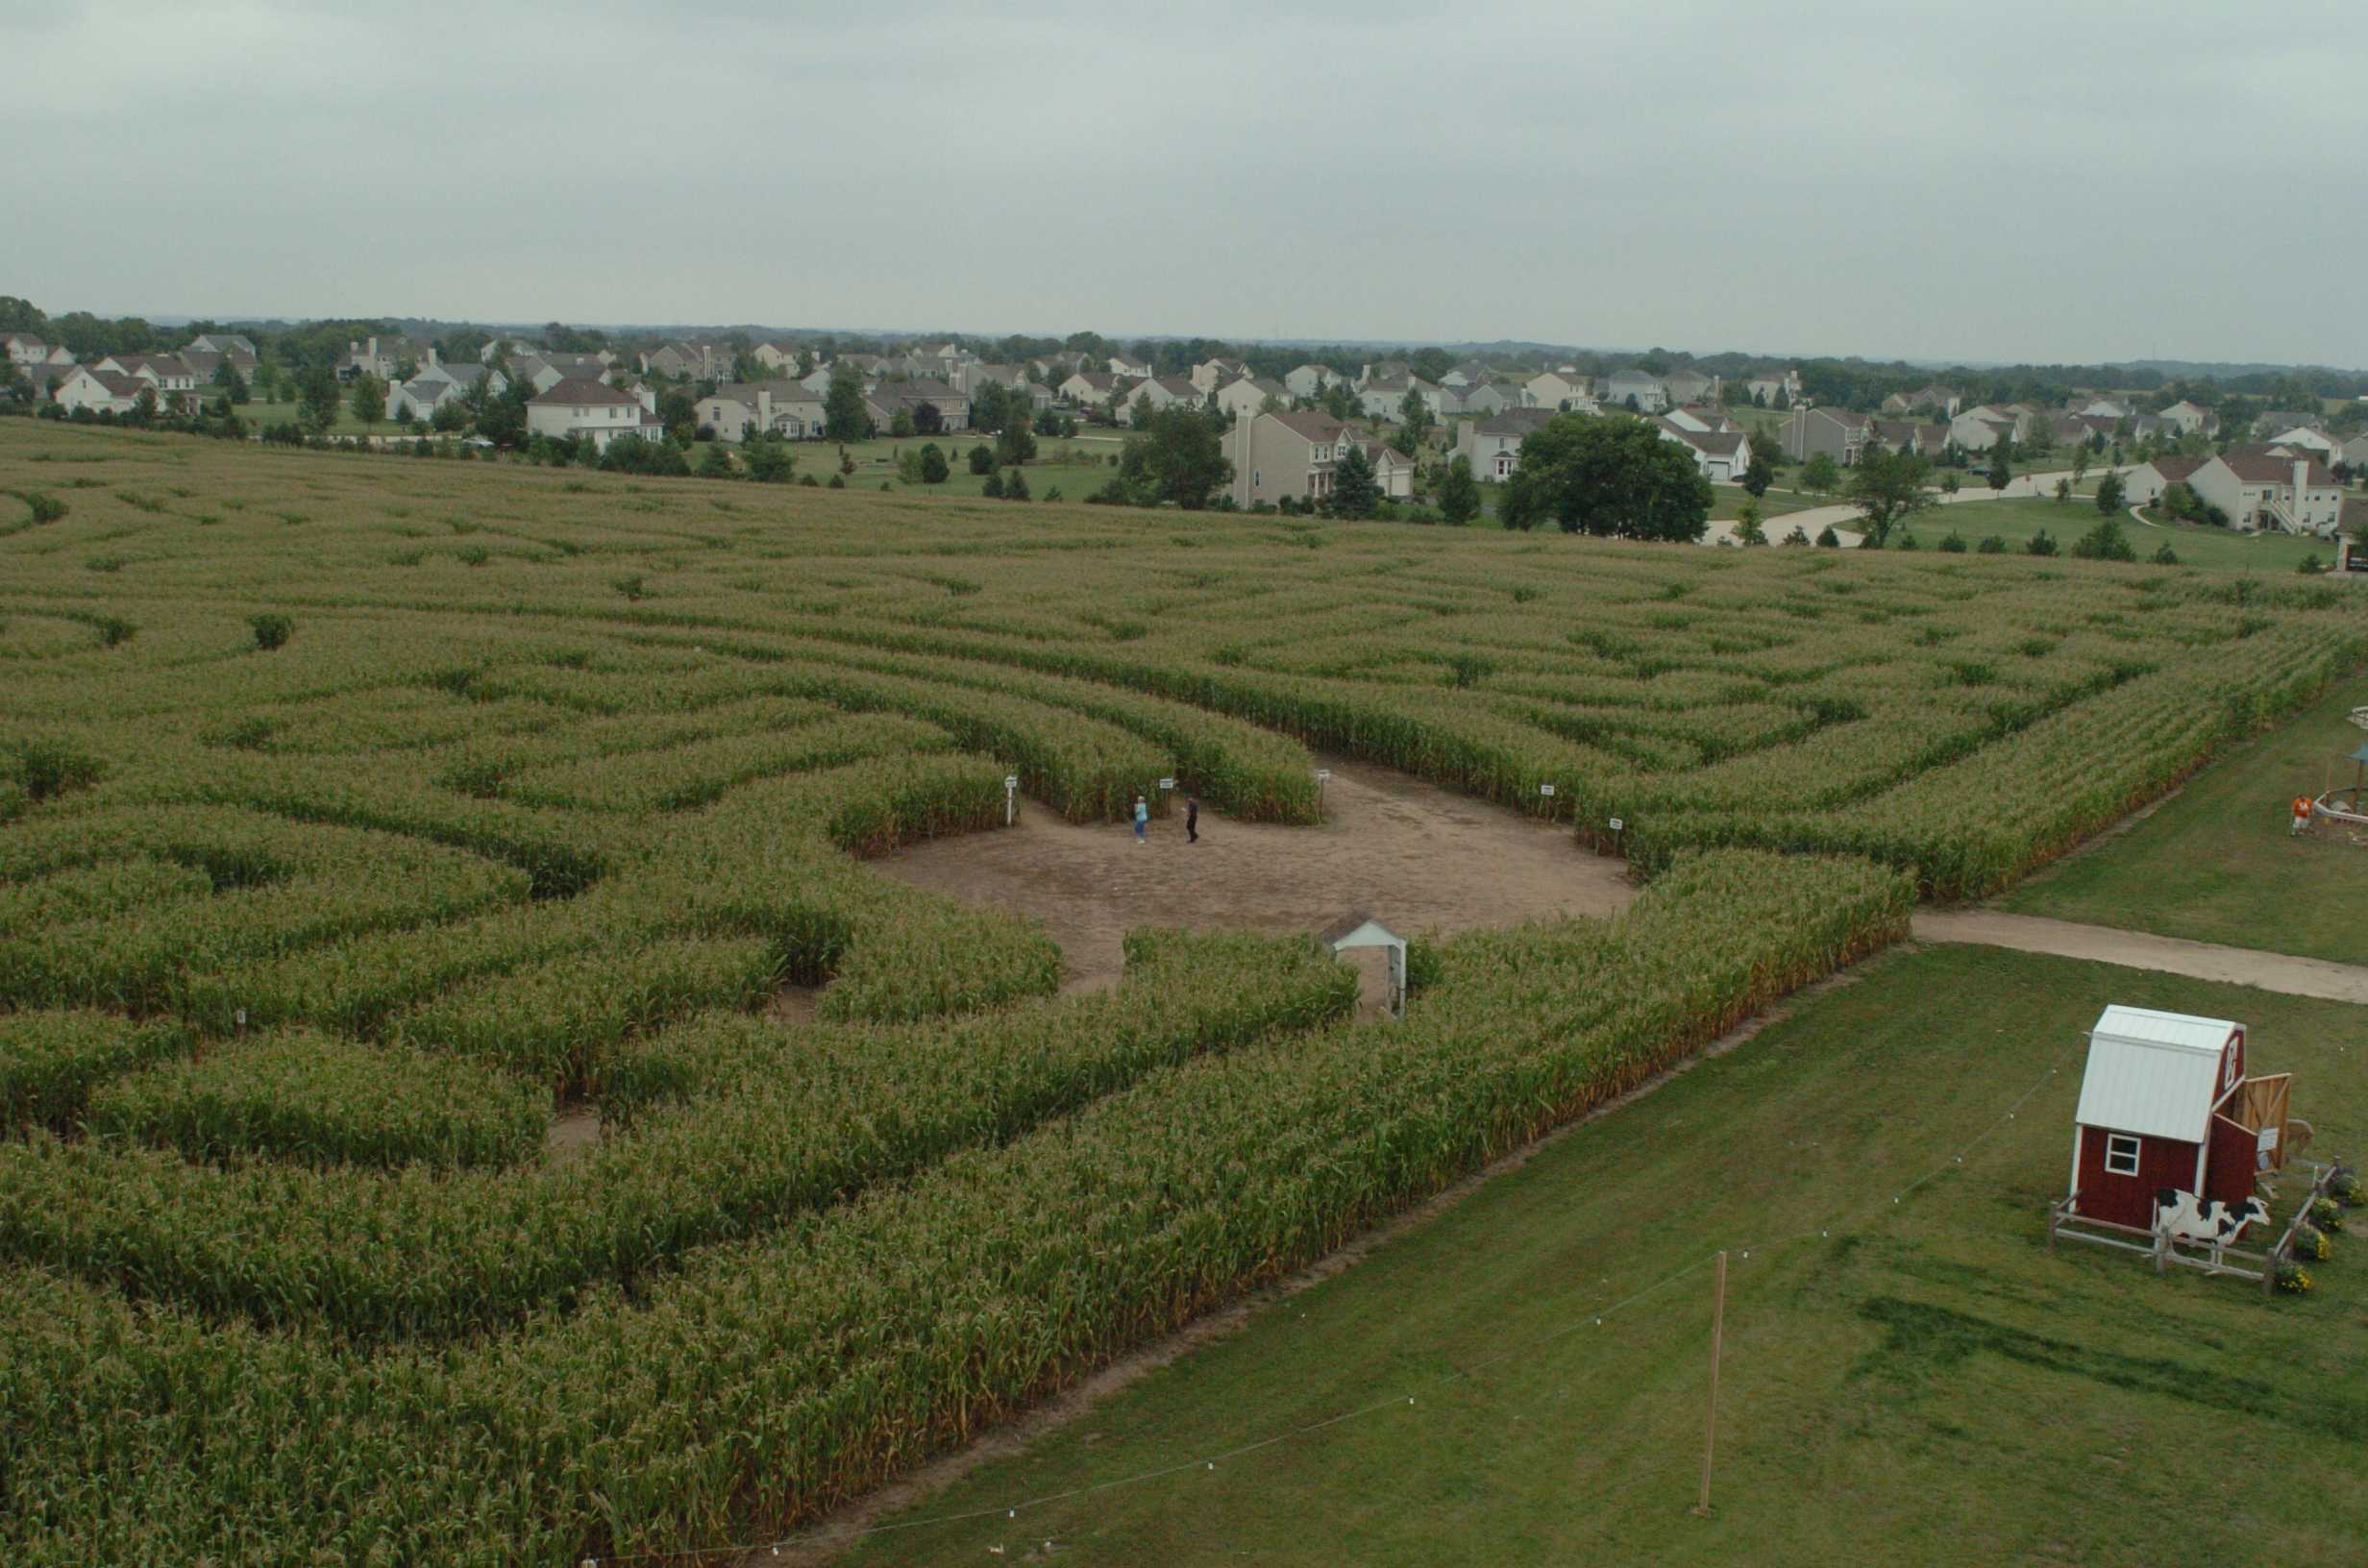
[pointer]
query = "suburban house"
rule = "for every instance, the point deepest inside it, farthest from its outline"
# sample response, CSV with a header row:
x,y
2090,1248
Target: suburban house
x,y
1645,387
953,409
1494,446
438,385
1164,392
1284,456
1384,370
1306,380
1471,373
2144,484
1246,395
691,361
2109,408
1565,391
2191,418
1482,398
1697,418
591,409
495,348
1682,386
736,410
1978,428
545,371
2355,455
1837,432
774,355
1089,386
2284,495
1384,396
976,376
380,356
1122,364
1719,456
1393,470
1764,388
26,350
168,372
1927,441
1211,374
101,391
2312,437
206,363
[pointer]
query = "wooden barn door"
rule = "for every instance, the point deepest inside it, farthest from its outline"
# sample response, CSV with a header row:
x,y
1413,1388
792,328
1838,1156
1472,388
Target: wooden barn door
x,y
2261,1109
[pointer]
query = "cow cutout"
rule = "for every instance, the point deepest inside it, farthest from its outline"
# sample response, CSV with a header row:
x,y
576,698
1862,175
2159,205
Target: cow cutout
x,y
2188,1218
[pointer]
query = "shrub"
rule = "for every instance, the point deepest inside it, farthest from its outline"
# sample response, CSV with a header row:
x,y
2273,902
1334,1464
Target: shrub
x,y
992,487
2292,1277
838,481
2311,565
271,630
2041,543
2165,555
982,459
2327,1215
1991,546
1828,539
2105,542
1954,544
632,588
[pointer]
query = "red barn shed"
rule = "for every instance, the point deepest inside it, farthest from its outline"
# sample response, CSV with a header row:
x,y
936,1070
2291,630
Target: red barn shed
x,y
2159,1109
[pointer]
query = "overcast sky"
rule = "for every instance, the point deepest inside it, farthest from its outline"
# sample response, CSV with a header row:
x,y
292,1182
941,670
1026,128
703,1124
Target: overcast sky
x,y
1998,181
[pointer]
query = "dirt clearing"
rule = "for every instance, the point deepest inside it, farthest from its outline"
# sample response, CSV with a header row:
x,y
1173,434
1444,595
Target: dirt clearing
x,y
1413,856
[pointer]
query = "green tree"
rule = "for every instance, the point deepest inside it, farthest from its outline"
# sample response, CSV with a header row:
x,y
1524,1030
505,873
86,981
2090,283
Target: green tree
x,y
1140,415
2041,543
1887,488
1355,492
2109,494
770,459
1415,414
2001,462
1180,457
933,469
1459,493
1758,474
2105,542
982,459
1612,477
1015,485
2063,491
715,463
1821,475
317,398
1017,443
901,423
2080,461
369,398
844,418
1747,529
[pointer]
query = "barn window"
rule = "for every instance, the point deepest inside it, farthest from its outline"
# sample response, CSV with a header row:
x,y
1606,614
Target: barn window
x,y
2120,1155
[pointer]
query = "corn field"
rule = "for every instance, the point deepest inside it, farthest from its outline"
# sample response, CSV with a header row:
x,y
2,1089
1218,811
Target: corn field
x,y
303,950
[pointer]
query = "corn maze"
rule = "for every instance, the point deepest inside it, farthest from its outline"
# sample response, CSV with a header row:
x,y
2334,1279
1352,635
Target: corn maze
x,y
556,781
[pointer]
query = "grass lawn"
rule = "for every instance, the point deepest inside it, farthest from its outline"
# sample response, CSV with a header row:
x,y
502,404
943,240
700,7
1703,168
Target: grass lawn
x,y
1078,468
2216,863
2215,549
1919,1383
263,415
1728,502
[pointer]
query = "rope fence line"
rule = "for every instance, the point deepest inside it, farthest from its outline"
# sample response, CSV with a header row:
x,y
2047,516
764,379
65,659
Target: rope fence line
x,y
812,1536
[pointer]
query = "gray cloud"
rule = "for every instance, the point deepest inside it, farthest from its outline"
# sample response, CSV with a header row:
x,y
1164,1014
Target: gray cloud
x,y
1996,181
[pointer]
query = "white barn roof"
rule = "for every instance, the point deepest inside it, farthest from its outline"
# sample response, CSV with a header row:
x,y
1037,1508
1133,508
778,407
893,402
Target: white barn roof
x,y
2155,1074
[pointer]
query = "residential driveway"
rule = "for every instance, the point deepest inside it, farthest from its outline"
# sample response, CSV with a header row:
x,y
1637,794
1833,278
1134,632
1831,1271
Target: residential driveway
x,y
2140,950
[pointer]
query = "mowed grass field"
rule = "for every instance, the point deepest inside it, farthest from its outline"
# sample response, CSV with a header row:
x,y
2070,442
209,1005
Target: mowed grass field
x,y
1907,1383
2017,519
2217,862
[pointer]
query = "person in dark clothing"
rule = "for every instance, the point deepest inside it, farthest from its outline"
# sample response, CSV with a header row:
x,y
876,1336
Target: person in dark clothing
x,y
1191,819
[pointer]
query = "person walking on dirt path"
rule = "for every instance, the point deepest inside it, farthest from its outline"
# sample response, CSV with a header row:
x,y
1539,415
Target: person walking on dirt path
x,y
1143,819
1191,819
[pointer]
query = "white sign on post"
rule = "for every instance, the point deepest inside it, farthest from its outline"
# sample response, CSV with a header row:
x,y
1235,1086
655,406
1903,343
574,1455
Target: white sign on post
x,y
1166,783
243,1018
1011,782
1618,825
1322,775
1011,798
1546,790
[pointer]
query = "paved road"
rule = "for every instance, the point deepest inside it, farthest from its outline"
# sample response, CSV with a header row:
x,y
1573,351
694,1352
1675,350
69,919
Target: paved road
x,y
2139,951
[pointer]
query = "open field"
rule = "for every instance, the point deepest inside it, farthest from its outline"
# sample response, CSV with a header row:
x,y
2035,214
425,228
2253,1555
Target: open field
x,y
1947,1390
320,931
2217,550
2218,864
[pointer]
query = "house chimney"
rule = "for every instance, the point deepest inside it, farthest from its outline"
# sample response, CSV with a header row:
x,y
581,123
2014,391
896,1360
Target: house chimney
x,y
2302,489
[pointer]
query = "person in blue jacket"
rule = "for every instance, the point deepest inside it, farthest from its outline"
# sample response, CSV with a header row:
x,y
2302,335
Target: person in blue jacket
x,y
1143,819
